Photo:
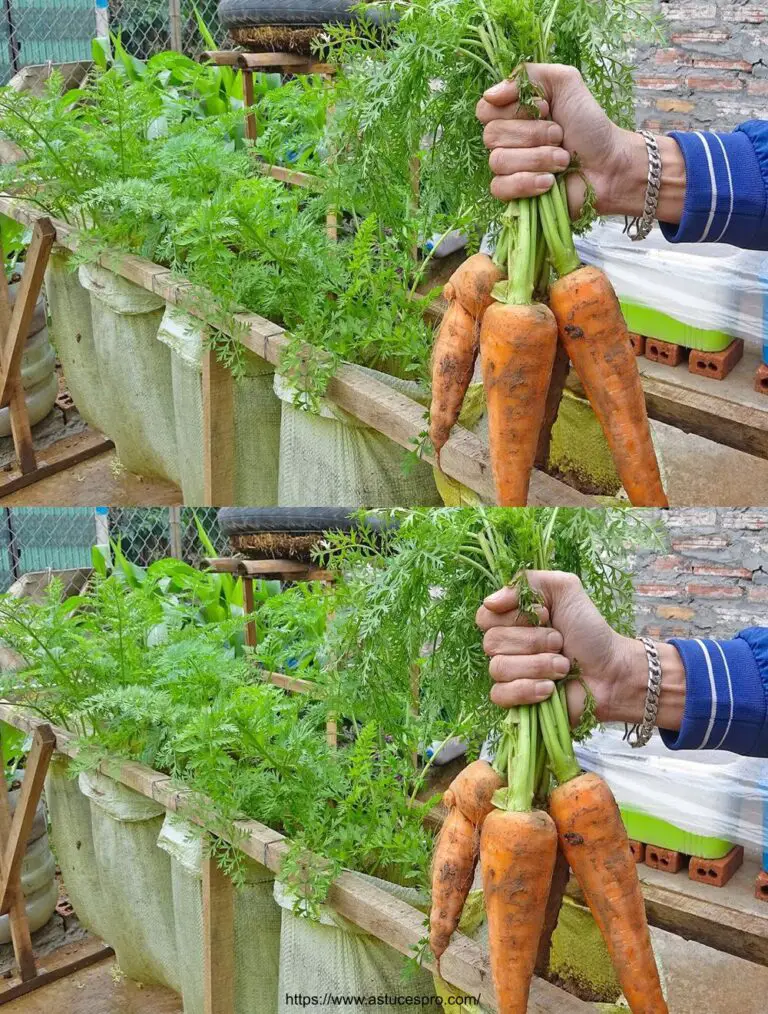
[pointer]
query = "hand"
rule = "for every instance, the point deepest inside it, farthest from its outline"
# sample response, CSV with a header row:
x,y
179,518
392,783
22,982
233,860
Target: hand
x,y
526,152
526,659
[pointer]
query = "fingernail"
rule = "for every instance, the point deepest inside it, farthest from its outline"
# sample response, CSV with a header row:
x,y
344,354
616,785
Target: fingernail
x,y
497,89
495,597
562,158
543,689
545,181
554,640
561,665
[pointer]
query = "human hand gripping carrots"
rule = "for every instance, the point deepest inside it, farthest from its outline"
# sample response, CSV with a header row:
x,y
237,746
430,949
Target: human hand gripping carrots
x,y
507,319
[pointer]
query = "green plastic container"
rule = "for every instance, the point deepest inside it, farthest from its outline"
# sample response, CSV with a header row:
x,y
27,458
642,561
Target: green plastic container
x,y
655,324
654,831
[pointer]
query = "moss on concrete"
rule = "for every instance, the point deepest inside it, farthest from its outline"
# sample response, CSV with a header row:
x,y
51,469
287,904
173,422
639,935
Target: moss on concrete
x,y
579,957
579,450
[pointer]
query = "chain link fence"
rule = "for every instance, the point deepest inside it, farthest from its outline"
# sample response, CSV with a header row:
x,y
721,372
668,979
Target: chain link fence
x,y
61,538
60,31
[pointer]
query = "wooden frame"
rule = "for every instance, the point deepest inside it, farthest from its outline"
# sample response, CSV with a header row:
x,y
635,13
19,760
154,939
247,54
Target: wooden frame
x,y
464,964
464,457
14,832
14,330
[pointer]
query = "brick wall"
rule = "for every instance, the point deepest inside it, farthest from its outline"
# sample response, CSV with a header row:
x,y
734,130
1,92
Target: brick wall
x,y
711,578
712,69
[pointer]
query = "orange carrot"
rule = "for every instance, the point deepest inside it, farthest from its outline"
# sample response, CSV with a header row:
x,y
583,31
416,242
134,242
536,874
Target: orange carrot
x,y
595,843
518,345
595,336
517,855
471,791
453,870
468,799
468,292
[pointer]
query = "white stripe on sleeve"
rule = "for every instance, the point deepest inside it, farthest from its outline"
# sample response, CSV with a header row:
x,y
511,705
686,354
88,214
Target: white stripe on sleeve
x,y
725,227
730,694
713,712
713,182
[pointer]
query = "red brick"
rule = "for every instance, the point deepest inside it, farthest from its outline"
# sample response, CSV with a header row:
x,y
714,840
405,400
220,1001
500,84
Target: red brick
x,y
712,35
713,570
713,591
669,563
672,56
758,87
664,859
675,612
657,591
706,83
666,353
675,105
658,84
716,872
713,63
691,12
761,886
716,365
745,15
701,542
637,848
637,342
758,593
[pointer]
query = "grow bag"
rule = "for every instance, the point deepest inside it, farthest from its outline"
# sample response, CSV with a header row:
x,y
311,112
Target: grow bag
x,y
256,416
257,925
135,880
72,837
330,458
332,955
38,370
38,875
135,371
72,334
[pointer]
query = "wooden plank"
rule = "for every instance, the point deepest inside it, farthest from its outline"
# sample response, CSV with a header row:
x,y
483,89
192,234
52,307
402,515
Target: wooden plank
x,y
273,568
464,963
292,683
20,426
36,767
17,911
248,605
464,457
43,236
94,445
218,432
218,939
262,60
45,978
292,176
223,564
222,58
251,132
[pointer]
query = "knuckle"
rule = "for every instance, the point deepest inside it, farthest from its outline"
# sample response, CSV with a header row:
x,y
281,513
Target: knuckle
x,y
491,134
492,641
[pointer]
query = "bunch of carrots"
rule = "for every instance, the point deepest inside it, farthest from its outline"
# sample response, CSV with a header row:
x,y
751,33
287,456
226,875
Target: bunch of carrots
x,y
529,819
521,322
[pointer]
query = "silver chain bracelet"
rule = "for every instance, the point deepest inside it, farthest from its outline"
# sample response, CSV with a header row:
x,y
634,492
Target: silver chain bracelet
x,y
644,730
640,226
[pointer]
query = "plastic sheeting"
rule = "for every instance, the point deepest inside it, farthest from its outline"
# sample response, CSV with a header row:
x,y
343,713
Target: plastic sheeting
x,y
331,459
708,793
332,955
257,925
704,285
135,370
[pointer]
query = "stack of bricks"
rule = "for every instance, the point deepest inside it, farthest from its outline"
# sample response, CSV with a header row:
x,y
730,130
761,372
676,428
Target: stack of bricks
x,y
710,72
711,578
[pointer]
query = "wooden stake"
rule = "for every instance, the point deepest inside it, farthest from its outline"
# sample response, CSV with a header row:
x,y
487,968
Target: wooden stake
x,y
218,939
20,935
174,20
218,432
250,627
251,129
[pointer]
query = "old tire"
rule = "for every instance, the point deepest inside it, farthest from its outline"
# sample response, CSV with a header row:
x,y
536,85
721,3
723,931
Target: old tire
x,y
296,520
296,13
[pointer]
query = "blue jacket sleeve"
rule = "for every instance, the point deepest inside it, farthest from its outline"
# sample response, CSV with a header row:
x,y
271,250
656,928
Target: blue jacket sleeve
x,y
726,698
726,196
